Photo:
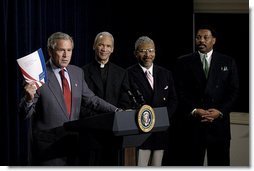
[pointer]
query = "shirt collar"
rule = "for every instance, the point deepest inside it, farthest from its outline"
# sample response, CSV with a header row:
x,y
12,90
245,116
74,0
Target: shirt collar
x,y
54,67
149,69
209,55
101,65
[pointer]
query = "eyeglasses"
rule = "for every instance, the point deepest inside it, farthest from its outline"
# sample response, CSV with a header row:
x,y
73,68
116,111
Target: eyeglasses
x,y
146,50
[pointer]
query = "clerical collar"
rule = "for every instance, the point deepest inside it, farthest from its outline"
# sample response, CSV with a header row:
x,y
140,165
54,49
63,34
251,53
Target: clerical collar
x,y
101,65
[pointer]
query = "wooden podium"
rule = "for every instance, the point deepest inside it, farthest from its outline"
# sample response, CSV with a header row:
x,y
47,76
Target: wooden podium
x,y
121,129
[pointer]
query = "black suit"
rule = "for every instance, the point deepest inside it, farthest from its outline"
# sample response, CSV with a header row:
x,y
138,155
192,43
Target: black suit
x,y
163,95
114,90
218,91
109,83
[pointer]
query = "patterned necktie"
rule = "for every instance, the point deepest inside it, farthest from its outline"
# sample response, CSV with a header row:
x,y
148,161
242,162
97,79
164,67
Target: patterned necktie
x,y
66,92
149,77
205,65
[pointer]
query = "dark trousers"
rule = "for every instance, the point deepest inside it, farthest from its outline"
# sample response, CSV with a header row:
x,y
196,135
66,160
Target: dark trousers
x,y
218,153
55,147
98,149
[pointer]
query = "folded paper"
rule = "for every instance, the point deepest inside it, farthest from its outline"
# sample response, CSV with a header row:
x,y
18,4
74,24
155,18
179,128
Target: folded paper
x,y
33,68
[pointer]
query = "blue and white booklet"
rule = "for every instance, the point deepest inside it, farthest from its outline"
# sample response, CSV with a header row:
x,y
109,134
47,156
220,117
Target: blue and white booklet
x,y
33,68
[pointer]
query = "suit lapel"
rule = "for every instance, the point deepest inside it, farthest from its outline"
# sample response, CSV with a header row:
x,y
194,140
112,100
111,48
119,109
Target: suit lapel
x,y
197,68
55,89
111,75
155,83
156,77
74,89
96,77
145,84
213,71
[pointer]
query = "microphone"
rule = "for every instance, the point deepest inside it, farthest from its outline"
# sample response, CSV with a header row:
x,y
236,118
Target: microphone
x,y
138,95
141,97
134,101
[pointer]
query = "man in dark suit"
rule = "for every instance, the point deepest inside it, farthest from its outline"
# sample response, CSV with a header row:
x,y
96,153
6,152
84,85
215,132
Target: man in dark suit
x,y
48,109
206,100
157,91
109,82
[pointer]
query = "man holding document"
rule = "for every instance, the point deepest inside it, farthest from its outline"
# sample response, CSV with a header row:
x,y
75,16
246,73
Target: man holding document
x,y
57,101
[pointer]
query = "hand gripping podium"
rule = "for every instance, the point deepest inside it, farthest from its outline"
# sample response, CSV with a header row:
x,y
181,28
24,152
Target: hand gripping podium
x,y
120,129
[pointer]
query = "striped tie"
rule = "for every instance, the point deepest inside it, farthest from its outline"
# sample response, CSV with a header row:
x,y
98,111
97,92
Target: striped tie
x,y
149,77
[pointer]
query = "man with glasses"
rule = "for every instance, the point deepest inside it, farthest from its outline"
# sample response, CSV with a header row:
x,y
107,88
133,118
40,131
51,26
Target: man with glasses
x,y
157,88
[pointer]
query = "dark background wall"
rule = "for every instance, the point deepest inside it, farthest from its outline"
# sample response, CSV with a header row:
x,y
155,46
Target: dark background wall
x,y
26,25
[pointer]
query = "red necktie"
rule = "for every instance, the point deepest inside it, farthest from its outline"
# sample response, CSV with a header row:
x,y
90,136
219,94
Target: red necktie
x,y
66,92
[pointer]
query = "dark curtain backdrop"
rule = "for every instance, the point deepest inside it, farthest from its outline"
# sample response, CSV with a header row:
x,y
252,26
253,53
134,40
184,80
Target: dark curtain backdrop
x,y
26,25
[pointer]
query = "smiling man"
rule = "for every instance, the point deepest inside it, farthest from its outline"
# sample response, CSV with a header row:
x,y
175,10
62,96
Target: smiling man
x,y
110,82
156,85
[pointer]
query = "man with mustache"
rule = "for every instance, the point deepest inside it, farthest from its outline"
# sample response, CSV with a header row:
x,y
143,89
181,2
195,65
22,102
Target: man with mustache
x,y
156,85
207,85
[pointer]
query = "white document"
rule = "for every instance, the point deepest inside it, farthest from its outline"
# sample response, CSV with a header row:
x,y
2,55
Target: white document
x,y
33,68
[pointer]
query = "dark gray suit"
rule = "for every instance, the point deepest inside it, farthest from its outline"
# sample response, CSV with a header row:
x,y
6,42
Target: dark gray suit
x,y
48,114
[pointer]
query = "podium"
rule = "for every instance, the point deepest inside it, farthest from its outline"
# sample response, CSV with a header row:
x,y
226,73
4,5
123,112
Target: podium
x,y
120,128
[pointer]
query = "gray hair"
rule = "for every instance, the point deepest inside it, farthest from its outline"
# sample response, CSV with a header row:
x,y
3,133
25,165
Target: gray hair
x,y
142,40
104,33
57,36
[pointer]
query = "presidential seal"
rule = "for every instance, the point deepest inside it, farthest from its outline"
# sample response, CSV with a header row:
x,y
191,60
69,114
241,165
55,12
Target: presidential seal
x,y
146,118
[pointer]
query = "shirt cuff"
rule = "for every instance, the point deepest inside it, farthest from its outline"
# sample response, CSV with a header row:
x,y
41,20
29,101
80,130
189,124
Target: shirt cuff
x,y
118,110
193,111
220,115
